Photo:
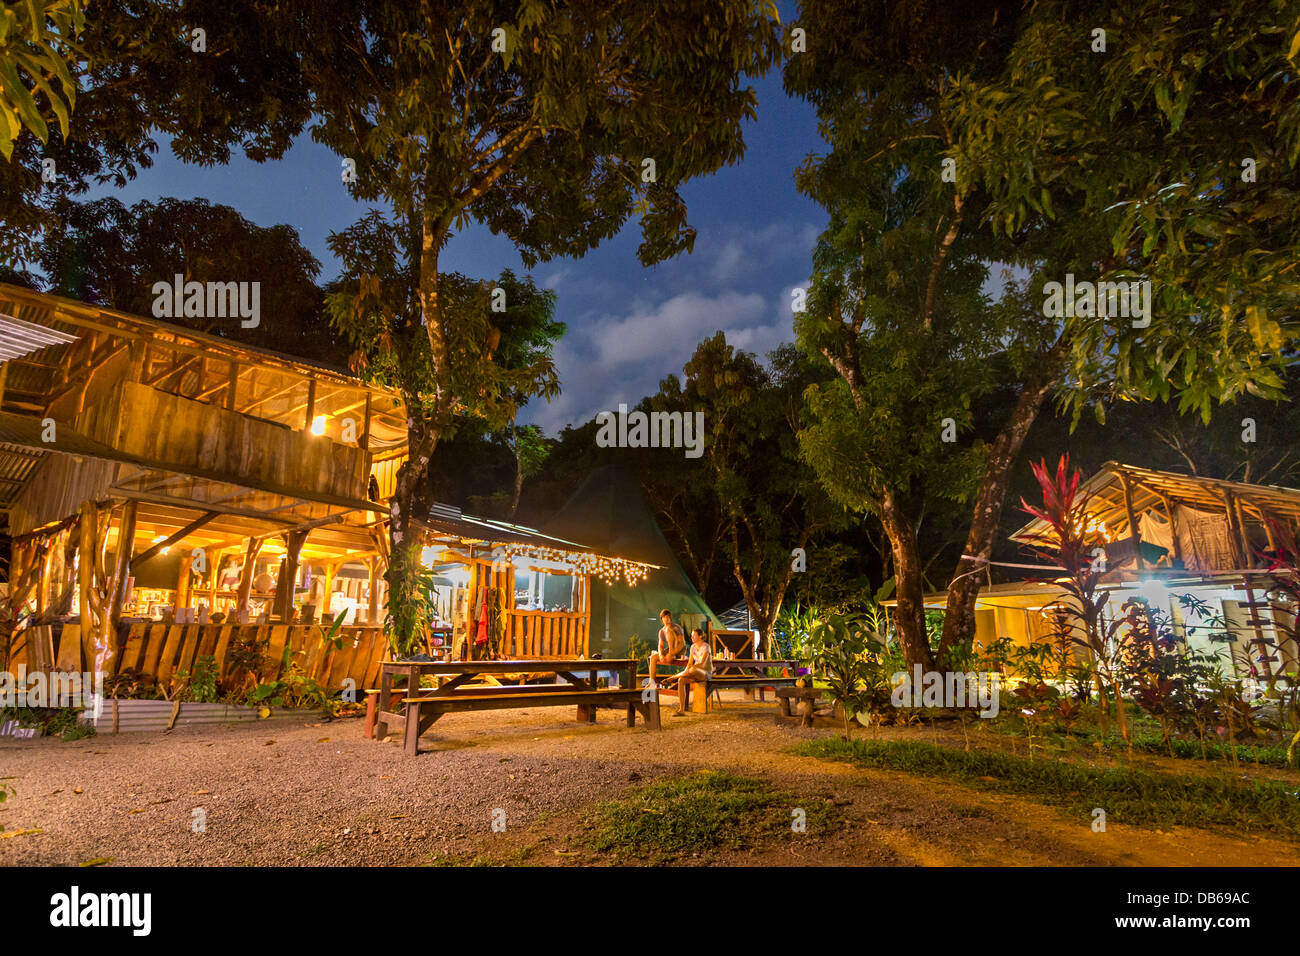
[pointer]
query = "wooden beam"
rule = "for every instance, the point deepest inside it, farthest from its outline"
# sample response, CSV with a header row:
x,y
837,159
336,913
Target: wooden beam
x,y
365,428
180,535
1134,534
1247,553
232,386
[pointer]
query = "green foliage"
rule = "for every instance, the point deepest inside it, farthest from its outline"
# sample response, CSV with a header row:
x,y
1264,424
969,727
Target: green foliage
x,y
105,253
292,689
757,497
1192,91
639,651
706,811
200,685
139,85
855,665
1132,796
64,722
37,54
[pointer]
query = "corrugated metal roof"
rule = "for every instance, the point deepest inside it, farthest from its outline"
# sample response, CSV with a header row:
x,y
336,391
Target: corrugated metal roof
x,y
19,338
449,520
16,465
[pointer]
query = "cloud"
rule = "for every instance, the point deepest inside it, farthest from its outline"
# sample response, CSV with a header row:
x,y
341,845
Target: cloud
x,y
621,358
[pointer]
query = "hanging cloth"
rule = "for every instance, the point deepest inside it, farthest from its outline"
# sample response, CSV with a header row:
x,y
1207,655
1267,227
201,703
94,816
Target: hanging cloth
x,y
482,618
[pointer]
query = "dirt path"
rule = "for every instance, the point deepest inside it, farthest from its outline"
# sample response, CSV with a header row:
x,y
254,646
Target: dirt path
x,y
319,794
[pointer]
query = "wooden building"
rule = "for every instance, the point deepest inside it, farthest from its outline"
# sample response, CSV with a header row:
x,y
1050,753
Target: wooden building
x,y
1166,535
172,494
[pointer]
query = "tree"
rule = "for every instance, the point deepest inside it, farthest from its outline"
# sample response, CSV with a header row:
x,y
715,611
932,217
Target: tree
x,y
107,254
986,121
140,80
1176,126
771,507
896,306
390,346
549,123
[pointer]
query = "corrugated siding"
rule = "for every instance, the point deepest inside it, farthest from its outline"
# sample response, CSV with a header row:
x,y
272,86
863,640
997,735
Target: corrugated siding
x,y
153,715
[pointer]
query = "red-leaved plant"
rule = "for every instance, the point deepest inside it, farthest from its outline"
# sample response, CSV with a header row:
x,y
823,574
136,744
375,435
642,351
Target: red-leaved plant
x,y
1078,551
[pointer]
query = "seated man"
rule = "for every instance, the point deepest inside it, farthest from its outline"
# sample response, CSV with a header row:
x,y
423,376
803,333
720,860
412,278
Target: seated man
x,y
699,667
671,643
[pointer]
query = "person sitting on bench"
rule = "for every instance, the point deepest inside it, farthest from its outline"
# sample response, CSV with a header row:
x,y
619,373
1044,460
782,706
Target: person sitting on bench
x,y
671,644
699,668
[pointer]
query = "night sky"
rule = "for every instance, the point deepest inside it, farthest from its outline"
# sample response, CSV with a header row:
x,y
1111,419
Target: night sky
x,y
628,326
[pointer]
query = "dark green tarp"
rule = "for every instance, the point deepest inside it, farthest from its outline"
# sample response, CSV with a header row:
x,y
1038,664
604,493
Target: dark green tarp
x,y
609,512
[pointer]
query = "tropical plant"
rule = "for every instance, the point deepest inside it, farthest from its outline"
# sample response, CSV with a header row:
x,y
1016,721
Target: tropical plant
x,y
37,47
1072,544
199,685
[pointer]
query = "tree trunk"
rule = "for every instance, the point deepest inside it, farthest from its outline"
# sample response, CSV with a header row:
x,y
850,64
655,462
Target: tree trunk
x,y
519,474
410,495
963,590
910,590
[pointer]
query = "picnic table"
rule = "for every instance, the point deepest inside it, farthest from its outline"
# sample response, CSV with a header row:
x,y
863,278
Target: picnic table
x,y
422,706
744,673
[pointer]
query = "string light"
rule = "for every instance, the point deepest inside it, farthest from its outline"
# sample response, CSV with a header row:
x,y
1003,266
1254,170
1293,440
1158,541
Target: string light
x,y
608,569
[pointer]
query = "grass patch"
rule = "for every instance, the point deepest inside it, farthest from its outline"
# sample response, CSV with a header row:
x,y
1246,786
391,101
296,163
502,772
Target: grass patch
x,y
709,810
1128,795
1265,755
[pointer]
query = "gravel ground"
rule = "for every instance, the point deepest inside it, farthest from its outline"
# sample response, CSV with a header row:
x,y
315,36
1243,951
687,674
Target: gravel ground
x,y
320,794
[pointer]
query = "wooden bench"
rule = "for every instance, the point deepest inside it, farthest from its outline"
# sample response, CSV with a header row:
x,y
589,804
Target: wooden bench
x,y
423,706
729,674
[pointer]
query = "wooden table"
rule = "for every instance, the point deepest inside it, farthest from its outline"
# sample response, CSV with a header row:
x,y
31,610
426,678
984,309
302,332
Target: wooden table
x,y
423,706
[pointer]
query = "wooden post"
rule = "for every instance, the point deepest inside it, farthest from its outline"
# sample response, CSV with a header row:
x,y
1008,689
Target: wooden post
x,y
293,542
1133,532
1173,529
86,551
1234,532
233,389
246,573
121,567
183,582
311,404
372,565
328,572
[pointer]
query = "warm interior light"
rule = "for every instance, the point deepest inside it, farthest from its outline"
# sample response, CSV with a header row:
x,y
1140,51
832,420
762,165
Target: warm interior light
x,y
318,425
1155,594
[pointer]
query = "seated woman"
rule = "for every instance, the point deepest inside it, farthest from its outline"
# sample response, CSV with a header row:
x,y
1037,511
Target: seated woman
x,y
671,644
699,667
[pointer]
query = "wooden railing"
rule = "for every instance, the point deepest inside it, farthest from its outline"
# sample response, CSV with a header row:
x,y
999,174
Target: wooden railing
x,y
536,634
163,650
